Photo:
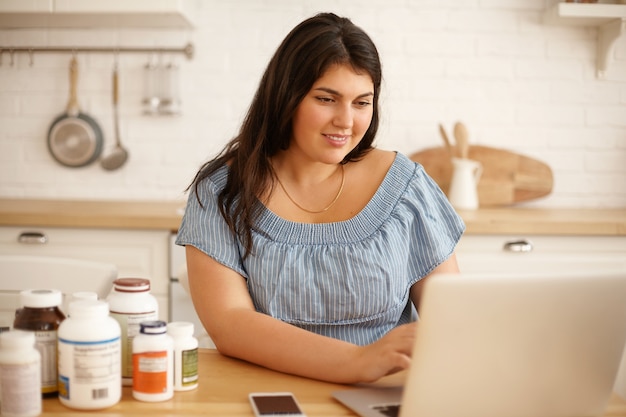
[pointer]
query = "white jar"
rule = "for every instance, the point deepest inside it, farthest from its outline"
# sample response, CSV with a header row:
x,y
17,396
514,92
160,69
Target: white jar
x,y
89,357
130,303
20,374
185,355
153,363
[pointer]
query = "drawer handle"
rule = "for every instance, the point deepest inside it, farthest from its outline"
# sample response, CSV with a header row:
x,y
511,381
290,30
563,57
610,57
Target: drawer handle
x,y
32,238
521,245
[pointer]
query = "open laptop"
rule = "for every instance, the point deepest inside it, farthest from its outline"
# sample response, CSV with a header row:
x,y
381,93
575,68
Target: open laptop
x,y
509,346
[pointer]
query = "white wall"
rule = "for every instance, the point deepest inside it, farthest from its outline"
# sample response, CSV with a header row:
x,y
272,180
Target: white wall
x,y
517,83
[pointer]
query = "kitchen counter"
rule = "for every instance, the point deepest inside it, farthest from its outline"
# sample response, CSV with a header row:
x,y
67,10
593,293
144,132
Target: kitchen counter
x,y
223,390
167,215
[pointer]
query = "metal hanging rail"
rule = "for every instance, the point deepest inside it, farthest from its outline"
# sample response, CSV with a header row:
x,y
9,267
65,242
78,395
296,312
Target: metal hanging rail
x,y
187,50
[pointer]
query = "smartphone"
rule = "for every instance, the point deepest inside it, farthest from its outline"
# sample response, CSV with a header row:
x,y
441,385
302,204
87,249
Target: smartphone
x,y
275,404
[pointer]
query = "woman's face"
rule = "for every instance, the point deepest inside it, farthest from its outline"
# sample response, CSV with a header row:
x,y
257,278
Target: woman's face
x,y
334,115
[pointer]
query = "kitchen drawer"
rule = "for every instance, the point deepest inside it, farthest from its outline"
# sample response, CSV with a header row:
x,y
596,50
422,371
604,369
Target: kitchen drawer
x,y
136,253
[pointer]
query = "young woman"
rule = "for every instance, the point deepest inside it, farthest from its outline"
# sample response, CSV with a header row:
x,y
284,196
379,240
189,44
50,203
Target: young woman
x,y
307,247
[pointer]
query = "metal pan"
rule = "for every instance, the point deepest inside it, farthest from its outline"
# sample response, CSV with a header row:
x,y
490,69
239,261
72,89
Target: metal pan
x,y
74,138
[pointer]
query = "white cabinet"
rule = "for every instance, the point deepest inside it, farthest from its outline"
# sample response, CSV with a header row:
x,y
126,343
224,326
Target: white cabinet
x,y
97,13
136,253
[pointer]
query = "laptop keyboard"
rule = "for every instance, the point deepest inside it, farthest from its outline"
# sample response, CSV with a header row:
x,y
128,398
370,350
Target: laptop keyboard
x,y
388,410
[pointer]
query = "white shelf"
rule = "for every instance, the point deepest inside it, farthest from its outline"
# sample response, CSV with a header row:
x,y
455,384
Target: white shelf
x,y
610,19
17,14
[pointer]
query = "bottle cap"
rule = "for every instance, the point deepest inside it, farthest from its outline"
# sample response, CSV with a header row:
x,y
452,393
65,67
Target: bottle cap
x,y
17,339
84,295
180,329
88,308
41,298
131,284
153,327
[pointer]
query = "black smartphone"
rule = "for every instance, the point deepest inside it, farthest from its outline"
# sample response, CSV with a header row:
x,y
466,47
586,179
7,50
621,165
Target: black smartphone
x,y
275,404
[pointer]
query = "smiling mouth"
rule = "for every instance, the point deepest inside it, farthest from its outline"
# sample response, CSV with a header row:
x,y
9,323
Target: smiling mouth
x,y
337,138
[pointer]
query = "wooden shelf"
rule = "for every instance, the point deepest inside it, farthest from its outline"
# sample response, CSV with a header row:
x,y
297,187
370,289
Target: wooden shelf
x,y
610,19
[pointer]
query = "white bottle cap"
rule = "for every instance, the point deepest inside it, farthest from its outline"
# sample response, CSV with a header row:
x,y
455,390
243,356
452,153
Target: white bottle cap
x,y
152,327
180,329
88,308
41,298
17,339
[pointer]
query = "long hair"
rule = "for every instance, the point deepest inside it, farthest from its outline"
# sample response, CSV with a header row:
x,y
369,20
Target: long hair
x,y
302,58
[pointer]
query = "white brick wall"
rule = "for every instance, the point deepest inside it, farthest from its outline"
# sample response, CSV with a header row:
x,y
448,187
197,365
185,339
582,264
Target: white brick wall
x,y
517,83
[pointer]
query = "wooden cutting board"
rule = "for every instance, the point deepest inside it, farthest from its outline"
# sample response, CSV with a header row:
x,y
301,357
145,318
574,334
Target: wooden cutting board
x,y
508,177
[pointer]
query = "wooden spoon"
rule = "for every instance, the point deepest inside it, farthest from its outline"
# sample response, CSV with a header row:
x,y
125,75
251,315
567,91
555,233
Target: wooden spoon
x,y
444,135
462,141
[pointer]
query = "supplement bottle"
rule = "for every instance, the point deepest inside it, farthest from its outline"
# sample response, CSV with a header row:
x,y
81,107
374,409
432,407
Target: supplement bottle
x,y
90,373
130,303
20,375
185,355
153,363
40,314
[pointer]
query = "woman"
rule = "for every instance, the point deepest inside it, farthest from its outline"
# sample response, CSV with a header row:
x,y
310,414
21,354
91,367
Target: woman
x,y
307,248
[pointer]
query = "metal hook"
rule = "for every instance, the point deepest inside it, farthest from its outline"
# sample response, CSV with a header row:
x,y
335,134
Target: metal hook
x,y
12,62
31,57
1,51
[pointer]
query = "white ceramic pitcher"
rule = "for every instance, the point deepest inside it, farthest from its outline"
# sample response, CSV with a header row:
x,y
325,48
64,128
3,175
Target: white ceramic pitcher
x,y
463,193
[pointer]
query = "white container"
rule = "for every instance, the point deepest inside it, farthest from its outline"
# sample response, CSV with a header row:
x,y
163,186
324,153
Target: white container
x,y
153,363
20,375
89,357
185,355
463,192
130,303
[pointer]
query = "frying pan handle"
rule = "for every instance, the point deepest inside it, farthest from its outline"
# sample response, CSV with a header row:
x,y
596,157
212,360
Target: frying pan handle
x,y
72,105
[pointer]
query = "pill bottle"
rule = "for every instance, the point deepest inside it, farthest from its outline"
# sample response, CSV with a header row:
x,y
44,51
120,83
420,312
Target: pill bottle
x,y
90,372
153,363
130,303
40,314
78,295
185,355
20,374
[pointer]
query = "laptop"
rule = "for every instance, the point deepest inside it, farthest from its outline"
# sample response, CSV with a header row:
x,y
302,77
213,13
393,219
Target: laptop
x,y
509,346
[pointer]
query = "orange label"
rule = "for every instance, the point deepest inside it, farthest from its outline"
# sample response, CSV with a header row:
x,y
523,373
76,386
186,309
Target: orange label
x,y
150,372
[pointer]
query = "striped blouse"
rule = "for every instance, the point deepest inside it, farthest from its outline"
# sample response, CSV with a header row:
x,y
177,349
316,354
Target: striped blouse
x,y
348,280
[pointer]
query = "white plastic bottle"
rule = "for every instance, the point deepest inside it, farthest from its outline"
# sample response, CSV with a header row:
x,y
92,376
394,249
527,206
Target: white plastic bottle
x,y
153,363
89,357
185,355
130,303
20,374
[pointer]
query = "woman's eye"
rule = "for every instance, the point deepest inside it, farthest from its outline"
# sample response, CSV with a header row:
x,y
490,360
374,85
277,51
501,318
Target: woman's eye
x,y
363,103
325,99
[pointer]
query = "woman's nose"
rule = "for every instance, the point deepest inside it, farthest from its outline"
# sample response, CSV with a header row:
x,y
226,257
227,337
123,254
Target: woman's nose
x,y
344,117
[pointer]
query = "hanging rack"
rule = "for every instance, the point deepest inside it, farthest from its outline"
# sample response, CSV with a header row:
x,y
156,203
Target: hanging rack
x,y
187,50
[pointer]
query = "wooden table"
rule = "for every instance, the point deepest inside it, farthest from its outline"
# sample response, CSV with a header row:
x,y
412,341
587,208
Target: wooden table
x,y
223,391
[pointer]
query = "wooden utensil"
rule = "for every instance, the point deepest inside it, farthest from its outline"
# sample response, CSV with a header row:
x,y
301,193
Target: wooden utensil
x,y
462,140
508,177
446,140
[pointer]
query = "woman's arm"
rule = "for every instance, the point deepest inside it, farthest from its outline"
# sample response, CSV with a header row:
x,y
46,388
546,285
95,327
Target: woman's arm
x,y
223,303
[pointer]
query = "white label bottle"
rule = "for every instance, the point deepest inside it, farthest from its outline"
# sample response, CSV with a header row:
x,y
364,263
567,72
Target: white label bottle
x,y
20,375
153,363
130,303
185,355
89,357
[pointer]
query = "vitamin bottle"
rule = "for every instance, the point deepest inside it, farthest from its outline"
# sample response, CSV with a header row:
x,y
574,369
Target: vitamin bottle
x,y
130,303
40,314
185,355
90,375
153,363
20,374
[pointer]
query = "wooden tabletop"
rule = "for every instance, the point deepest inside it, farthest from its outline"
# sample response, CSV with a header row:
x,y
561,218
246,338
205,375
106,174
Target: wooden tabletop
x,y
167,215
223,391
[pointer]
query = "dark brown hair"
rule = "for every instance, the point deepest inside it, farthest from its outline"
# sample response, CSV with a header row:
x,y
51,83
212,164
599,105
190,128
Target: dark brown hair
x,y
302,58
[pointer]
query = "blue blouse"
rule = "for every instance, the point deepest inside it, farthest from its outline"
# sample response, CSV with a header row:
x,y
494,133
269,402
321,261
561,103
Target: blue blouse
x,y
349,280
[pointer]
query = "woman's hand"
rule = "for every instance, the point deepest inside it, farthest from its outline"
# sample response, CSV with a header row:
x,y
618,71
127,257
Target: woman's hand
x,y
388,355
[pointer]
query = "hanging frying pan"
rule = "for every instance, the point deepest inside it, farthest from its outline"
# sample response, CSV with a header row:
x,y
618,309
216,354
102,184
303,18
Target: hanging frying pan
x,y
74,138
